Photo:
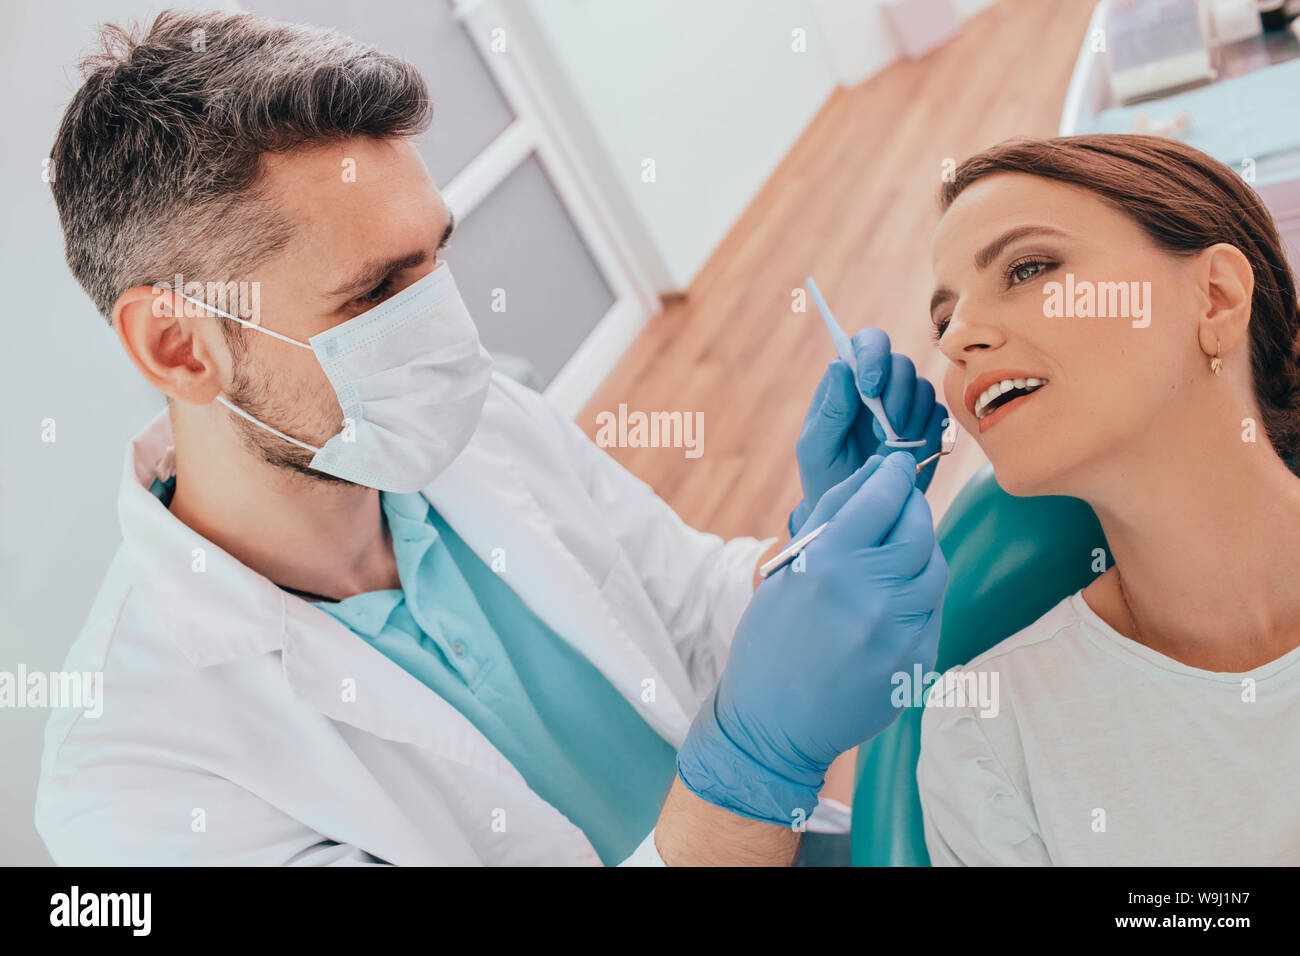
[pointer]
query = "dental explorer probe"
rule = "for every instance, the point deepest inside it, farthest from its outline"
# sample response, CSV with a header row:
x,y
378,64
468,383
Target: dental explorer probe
x,y
793,549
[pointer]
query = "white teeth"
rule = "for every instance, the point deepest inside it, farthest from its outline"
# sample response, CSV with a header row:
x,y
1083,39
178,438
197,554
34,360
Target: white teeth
x,y
998,388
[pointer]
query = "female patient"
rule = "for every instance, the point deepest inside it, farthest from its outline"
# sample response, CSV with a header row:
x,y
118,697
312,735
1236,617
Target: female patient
x,y
1121,324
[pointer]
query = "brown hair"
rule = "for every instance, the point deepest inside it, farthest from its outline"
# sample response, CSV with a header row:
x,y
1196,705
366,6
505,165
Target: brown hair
x,y
1186,201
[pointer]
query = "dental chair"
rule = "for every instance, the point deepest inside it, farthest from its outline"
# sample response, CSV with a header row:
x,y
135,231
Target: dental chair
x,y
1010,560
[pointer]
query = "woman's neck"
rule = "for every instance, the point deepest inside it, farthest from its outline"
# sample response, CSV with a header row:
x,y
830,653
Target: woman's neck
x,y
1207,553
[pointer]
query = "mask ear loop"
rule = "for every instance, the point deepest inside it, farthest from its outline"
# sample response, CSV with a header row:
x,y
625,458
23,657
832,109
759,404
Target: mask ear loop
x,y
235,408
246,323
260,424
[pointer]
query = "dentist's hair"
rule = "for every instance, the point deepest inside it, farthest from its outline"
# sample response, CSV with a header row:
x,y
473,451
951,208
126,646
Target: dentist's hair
x,y
157,160
1185,201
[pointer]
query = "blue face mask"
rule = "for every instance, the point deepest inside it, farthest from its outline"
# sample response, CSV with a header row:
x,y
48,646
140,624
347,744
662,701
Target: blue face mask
x,y
411,378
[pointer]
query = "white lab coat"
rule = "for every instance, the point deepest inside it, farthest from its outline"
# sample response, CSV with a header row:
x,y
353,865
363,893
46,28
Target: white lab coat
x,y
228,735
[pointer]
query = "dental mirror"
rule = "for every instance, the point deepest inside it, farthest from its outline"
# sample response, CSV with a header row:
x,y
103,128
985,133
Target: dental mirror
x,y
844,346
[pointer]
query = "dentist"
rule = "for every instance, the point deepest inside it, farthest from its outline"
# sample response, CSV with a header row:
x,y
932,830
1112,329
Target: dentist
x,y
376,604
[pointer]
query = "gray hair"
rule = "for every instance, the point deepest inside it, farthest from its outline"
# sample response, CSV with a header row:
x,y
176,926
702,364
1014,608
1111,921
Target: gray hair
x,y
158,158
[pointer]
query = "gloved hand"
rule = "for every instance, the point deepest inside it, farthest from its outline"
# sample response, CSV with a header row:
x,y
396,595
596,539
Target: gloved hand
x,y
812,661
840,433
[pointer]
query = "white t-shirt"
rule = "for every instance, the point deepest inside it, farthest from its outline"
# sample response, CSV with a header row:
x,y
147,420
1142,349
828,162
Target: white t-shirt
x,y
1101,751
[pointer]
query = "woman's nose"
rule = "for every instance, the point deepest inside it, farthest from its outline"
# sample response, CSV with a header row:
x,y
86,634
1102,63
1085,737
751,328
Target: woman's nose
x,y
967,333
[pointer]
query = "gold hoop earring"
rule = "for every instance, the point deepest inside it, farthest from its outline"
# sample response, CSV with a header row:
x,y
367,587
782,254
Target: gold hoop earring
x,y
1216,363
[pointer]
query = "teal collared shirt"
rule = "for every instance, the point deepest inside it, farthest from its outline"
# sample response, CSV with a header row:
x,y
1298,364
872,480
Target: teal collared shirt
x,y
458,627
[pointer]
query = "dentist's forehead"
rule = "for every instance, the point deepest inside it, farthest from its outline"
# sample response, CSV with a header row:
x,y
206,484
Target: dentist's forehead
x,y
356,181
354,202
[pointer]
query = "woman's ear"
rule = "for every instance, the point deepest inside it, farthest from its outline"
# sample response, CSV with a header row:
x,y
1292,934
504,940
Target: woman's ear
x,y
1228,283
162,342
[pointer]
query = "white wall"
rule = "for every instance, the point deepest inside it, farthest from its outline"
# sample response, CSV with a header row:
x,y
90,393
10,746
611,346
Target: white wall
x,y
860,39
711,91
858,36
59,360
968,8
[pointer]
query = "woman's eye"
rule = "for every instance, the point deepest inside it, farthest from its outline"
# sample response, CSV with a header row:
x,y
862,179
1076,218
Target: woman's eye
x,y
1026,270
939,328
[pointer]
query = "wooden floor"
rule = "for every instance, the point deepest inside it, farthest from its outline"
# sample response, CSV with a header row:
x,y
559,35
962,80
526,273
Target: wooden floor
x,y
854,205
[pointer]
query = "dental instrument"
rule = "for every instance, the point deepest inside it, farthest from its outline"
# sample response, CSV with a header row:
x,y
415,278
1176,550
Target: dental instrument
x,y
790,551
845,349
794,548
844,346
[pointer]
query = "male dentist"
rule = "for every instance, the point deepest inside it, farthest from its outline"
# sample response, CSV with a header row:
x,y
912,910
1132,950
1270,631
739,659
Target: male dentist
x,y
375,604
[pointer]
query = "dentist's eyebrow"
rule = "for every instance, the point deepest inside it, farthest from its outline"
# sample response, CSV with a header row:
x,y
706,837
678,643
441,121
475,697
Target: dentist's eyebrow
x,y
984,258
373,273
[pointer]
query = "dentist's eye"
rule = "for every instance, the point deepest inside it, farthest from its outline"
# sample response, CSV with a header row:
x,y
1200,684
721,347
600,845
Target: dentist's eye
x,y
376,295
1022,270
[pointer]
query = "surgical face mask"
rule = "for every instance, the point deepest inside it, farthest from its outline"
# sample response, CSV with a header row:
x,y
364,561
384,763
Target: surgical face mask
x,y
411,378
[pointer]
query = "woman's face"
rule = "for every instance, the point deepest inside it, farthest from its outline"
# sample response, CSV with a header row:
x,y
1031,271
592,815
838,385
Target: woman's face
x,y
1048,287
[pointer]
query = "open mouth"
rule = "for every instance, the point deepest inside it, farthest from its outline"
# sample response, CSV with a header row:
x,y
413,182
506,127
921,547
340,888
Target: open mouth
x,y
1003,392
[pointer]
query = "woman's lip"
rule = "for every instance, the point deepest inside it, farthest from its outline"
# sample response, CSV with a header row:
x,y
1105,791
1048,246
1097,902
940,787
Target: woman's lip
x,y
995,416
976,388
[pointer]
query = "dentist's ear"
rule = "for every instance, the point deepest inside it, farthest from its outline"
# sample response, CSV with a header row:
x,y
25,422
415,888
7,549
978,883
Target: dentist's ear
x,y
1228,285
166,345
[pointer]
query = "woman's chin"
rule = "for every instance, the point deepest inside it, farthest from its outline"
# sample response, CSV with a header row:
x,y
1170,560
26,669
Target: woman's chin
x,y
1027,479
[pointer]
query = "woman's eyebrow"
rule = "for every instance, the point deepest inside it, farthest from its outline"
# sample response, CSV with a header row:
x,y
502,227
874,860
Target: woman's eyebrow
x,y
985,256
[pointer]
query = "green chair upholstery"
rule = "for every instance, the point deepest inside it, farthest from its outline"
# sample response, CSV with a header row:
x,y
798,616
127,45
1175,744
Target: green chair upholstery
x,y
1010,560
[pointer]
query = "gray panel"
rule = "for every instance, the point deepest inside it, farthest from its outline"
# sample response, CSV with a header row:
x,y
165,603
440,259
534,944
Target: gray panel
x,y
521,240
468,108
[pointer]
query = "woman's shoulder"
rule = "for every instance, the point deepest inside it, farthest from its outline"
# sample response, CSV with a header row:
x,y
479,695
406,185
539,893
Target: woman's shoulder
x,y
1057,627
1044,659
970,734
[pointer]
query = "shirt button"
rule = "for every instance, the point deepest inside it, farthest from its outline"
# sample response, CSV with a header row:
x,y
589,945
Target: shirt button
x,y
458,648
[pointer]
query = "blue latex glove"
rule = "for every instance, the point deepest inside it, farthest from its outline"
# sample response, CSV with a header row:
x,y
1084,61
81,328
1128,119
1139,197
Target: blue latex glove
x,y
811,668
840,433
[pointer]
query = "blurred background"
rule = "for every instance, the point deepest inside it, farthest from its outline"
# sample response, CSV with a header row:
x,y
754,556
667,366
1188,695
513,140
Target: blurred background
x,y
640,187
